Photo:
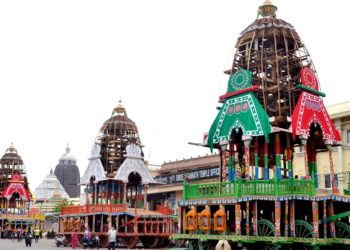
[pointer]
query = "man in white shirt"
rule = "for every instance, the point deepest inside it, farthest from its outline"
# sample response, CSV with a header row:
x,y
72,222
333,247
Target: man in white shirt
x,y
112,238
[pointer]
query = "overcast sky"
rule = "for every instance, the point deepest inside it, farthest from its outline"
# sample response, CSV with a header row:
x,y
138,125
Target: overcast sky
x,y
65,64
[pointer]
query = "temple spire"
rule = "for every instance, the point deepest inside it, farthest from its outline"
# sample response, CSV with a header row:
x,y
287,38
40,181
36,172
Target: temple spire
x,y
119,109
267,9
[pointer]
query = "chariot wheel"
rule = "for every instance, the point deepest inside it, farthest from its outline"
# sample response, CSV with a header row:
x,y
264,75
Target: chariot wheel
x,y
265,228
149,241
193,245
209,245
163,241
342,230
130,242
69,240
104,241
303,229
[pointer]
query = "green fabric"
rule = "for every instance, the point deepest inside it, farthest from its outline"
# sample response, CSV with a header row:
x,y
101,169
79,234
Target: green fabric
x,y
242,111
242,79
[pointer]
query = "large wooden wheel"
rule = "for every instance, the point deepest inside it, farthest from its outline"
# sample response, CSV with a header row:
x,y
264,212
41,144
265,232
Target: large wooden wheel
x,y
265,228
303,229
130,242
104,241
342,230
163,241
266,246
209,245
193,245
149,241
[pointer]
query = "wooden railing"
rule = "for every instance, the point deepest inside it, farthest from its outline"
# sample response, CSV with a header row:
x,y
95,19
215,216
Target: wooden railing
x,y
95,208
241,188
23,216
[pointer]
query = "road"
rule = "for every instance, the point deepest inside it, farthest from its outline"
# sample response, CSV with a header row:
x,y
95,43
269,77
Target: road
x,y
44,244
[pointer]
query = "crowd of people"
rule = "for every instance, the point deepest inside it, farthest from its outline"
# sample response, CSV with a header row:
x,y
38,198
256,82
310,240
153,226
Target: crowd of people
x,y
29,234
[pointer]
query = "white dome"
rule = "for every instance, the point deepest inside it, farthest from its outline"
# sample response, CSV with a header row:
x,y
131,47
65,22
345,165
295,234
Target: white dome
x,y
49,188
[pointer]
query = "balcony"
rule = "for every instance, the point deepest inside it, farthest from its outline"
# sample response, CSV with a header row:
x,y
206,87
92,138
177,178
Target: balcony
x,y
241,188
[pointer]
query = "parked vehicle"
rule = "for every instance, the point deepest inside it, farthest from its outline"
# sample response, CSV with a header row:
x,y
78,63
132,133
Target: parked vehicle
x,y
61,240
94,242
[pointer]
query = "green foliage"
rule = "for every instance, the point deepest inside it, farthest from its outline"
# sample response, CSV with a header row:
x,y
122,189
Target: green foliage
x,y
58,207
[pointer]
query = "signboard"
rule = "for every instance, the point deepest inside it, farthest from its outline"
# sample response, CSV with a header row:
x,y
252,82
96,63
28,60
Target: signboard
x,y
192,175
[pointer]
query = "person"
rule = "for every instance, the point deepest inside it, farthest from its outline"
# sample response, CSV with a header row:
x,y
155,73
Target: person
x,y
112,238
74,239
18,234
28,239
36,234
21,231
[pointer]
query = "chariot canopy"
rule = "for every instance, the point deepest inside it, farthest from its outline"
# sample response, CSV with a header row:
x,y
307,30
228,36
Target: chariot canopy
x,y
95,168
133,163
16,185
310,109
241,110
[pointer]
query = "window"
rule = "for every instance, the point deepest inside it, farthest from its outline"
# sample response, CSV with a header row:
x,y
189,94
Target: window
x,y
348,136
327,180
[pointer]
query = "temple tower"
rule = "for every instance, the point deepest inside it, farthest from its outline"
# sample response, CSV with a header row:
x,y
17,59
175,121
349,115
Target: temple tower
x,y
68,173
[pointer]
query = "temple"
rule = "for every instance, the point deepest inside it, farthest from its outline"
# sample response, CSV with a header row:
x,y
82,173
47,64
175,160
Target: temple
x,y
68,173
49,194
15,195
273,104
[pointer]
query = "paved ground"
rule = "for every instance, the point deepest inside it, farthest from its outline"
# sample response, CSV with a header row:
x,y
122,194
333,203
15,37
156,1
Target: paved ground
x,y
44,244
7,244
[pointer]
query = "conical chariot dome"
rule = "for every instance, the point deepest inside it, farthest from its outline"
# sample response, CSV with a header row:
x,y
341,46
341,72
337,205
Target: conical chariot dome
x,y
116,133
11,162
274,53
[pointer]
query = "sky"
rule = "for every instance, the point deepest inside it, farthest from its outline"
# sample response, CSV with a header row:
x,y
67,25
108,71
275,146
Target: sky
x,y
65,64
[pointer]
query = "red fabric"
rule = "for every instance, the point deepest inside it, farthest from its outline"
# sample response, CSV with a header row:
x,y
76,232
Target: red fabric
x,y
309,109
238,92
13,188
309,79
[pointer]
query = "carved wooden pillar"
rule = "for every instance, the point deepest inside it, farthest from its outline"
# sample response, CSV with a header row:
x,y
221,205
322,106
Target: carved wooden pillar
x,y
278,218
256,158
247,140
255,218
324,219
266,161
292,218
238,218
315,218
93,222
278,155
333,181
125,192
223,145
331,224
286,219
145,197
247,226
